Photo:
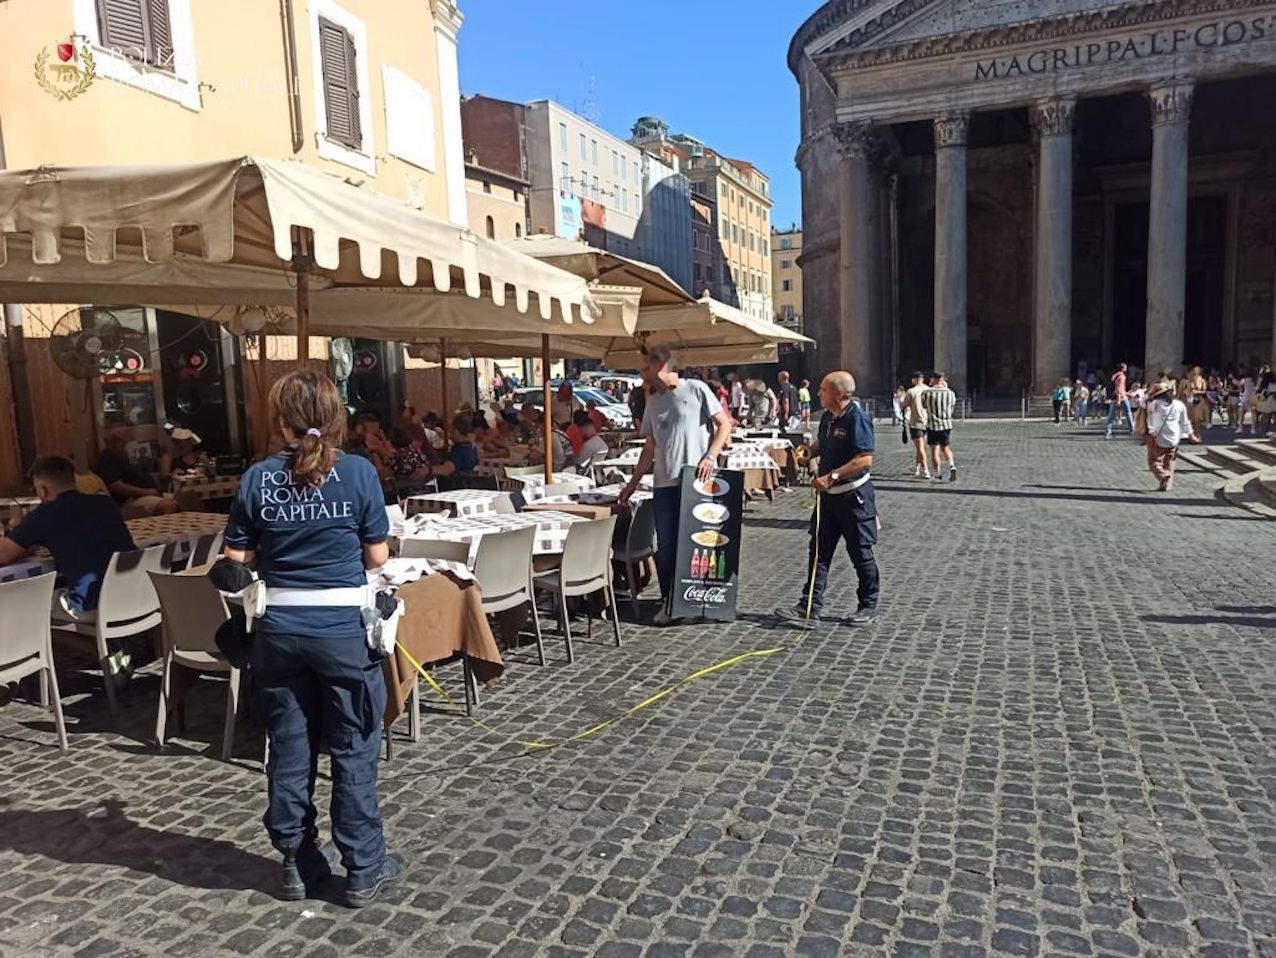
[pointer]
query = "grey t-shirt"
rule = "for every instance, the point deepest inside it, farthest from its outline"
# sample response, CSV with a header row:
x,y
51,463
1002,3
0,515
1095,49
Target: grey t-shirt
x,y
681,422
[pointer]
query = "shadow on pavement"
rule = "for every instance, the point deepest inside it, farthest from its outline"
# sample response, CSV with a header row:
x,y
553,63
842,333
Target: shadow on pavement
x,y
103,834
1244,621
1147,497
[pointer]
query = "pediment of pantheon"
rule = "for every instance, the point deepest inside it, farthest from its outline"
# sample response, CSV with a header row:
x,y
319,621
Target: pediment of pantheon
x,y
906,58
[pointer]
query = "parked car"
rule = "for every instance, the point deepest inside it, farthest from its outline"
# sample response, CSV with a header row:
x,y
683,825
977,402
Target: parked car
x,y
618,414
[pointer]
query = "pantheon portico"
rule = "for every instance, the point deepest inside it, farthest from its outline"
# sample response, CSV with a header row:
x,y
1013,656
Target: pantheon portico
x,y
1013,190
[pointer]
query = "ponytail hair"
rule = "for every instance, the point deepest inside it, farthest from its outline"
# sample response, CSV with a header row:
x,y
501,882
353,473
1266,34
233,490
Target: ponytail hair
x,y
308,405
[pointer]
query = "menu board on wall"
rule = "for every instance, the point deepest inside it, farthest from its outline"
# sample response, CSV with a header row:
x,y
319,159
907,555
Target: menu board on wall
x,y
707,574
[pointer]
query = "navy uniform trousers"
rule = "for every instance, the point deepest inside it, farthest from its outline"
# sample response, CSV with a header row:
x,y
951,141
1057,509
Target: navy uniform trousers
x,y
331,687
851,518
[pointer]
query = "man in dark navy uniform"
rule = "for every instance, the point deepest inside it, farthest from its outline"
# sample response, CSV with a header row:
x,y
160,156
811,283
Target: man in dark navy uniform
x,y
847,504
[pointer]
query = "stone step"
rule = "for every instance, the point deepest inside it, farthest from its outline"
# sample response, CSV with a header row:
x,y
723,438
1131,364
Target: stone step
x,y
1262,450
1198,460
1249,493
1231,460
1267,484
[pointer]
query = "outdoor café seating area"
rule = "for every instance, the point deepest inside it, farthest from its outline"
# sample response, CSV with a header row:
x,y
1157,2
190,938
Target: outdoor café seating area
x,y
508,571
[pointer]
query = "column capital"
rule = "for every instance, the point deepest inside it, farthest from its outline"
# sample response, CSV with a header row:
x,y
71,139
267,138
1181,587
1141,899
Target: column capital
x,y
855,139
1171,101
951,129
1053,117
447,17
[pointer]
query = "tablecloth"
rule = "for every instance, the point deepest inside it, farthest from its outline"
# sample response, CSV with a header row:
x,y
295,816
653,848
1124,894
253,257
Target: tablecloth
x,y
180,530
218,487
551,528
443,617
533,487
456,502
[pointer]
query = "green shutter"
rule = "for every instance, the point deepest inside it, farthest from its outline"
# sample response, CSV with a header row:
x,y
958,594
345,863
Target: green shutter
x,y
122,25
160,45
341,107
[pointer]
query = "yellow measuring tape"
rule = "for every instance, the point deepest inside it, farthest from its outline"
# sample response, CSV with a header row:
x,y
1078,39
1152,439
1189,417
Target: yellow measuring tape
x,y
537,745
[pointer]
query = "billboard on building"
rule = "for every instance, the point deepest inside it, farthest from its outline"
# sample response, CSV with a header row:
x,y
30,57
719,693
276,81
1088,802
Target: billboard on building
x,y
567,217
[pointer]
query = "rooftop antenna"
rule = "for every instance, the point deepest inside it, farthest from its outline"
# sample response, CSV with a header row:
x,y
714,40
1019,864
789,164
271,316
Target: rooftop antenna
x,y
589,109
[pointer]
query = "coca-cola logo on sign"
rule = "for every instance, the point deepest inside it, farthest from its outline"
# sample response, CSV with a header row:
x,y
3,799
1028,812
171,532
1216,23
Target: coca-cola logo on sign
x,y
714,594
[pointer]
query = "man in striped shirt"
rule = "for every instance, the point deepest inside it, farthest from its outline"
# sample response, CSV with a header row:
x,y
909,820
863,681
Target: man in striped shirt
x,y
939,402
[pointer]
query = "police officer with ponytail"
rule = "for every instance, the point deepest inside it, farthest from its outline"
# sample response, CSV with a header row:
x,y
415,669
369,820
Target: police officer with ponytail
x,y
847,510
310,521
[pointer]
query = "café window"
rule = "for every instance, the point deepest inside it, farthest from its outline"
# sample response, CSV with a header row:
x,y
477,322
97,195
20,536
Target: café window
x,y
138,30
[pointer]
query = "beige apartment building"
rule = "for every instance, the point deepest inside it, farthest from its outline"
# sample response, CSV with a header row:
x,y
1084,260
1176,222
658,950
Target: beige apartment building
x,y
740,270
786,277
496,201
364,89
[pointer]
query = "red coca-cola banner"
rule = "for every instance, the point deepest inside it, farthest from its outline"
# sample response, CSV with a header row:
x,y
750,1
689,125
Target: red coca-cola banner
x,y
707,573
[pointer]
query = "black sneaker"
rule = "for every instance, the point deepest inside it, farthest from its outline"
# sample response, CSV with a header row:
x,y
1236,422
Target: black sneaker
x,y
391,871
864,617
796,613
306,869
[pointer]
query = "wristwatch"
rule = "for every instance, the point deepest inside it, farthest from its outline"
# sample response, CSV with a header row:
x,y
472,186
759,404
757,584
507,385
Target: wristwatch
x,y
834,477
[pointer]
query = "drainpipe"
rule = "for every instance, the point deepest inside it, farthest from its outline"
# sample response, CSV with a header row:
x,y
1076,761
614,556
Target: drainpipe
x,y
294,83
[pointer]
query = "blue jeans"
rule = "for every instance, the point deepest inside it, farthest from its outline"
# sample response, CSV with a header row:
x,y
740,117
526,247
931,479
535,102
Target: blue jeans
x,y
331,686
1124,404
666,505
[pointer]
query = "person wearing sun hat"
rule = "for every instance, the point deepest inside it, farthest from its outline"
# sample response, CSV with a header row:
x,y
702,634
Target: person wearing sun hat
x,y
1168,424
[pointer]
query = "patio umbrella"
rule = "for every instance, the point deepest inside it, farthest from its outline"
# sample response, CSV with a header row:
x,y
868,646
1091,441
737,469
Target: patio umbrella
x,y
252,232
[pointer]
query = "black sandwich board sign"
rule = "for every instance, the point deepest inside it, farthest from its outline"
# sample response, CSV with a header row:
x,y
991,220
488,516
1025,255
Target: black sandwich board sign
x,y
706,577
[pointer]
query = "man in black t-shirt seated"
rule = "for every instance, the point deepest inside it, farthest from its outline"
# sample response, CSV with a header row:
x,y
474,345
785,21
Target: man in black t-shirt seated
x,y
82,532
132,487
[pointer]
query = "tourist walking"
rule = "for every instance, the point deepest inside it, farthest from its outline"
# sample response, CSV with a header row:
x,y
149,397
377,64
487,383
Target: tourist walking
x,y
684,425
1119,401
311,520
1191,390
787,394
1080,402
940,402
915,419
847,507
1168,425
1059,400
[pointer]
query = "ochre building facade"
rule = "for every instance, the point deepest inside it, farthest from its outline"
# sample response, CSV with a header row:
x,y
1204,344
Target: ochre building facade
x,y
1018,191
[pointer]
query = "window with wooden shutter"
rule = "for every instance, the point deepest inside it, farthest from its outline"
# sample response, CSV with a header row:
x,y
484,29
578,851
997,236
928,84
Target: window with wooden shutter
x,y
138,29
340,84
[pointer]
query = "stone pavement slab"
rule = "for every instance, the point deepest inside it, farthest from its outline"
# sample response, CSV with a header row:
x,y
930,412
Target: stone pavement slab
x,y
1057,739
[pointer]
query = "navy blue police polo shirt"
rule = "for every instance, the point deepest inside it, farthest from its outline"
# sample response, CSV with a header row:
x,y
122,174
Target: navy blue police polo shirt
x,y
309,537
844,437
82,532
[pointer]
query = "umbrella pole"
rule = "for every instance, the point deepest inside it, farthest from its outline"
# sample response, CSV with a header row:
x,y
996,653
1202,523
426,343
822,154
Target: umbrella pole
x,y
447,426
302,261
549,407
303,319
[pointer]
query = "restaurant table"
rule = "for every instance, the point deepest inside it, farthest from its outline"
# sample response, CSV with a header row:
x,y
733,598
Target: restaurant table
x,y
551,529
205,487
456,502
761,474
533,487
443,617
180,530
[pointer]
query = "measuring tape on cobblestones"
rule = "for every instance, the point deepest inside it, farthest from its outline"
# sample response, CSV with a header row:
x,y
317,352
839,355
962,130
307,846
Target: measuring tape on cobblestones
x,y
535,745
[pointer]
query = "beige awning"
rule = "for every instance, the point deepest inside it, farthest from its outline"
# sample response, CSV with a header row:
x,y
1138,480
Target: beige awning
x,y
226,232
605,268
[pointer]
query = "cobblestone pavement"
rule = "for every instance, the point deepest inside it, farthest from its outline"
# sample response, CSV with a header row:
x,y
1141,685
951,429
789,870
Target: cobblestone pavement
x,y
1057,740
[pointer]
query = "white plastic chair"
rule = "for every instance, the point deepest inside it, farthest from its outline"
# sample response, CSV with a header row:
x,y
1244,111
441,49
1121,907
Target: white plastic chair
x,y
127,606
503,568
395,514
193,610
206,550
585,569
640,545
26,641
434,549
503,505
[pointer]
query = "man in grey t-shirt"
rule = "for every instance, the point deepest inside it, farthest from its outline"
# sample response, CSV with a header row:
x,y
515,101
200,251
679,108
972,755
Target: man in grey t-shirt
x,y
684,425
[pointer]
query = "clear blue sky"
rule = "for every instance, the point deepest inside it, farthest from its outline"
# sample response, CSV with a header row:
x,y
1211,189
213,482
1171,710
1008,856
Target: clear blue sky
x,y
714,70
